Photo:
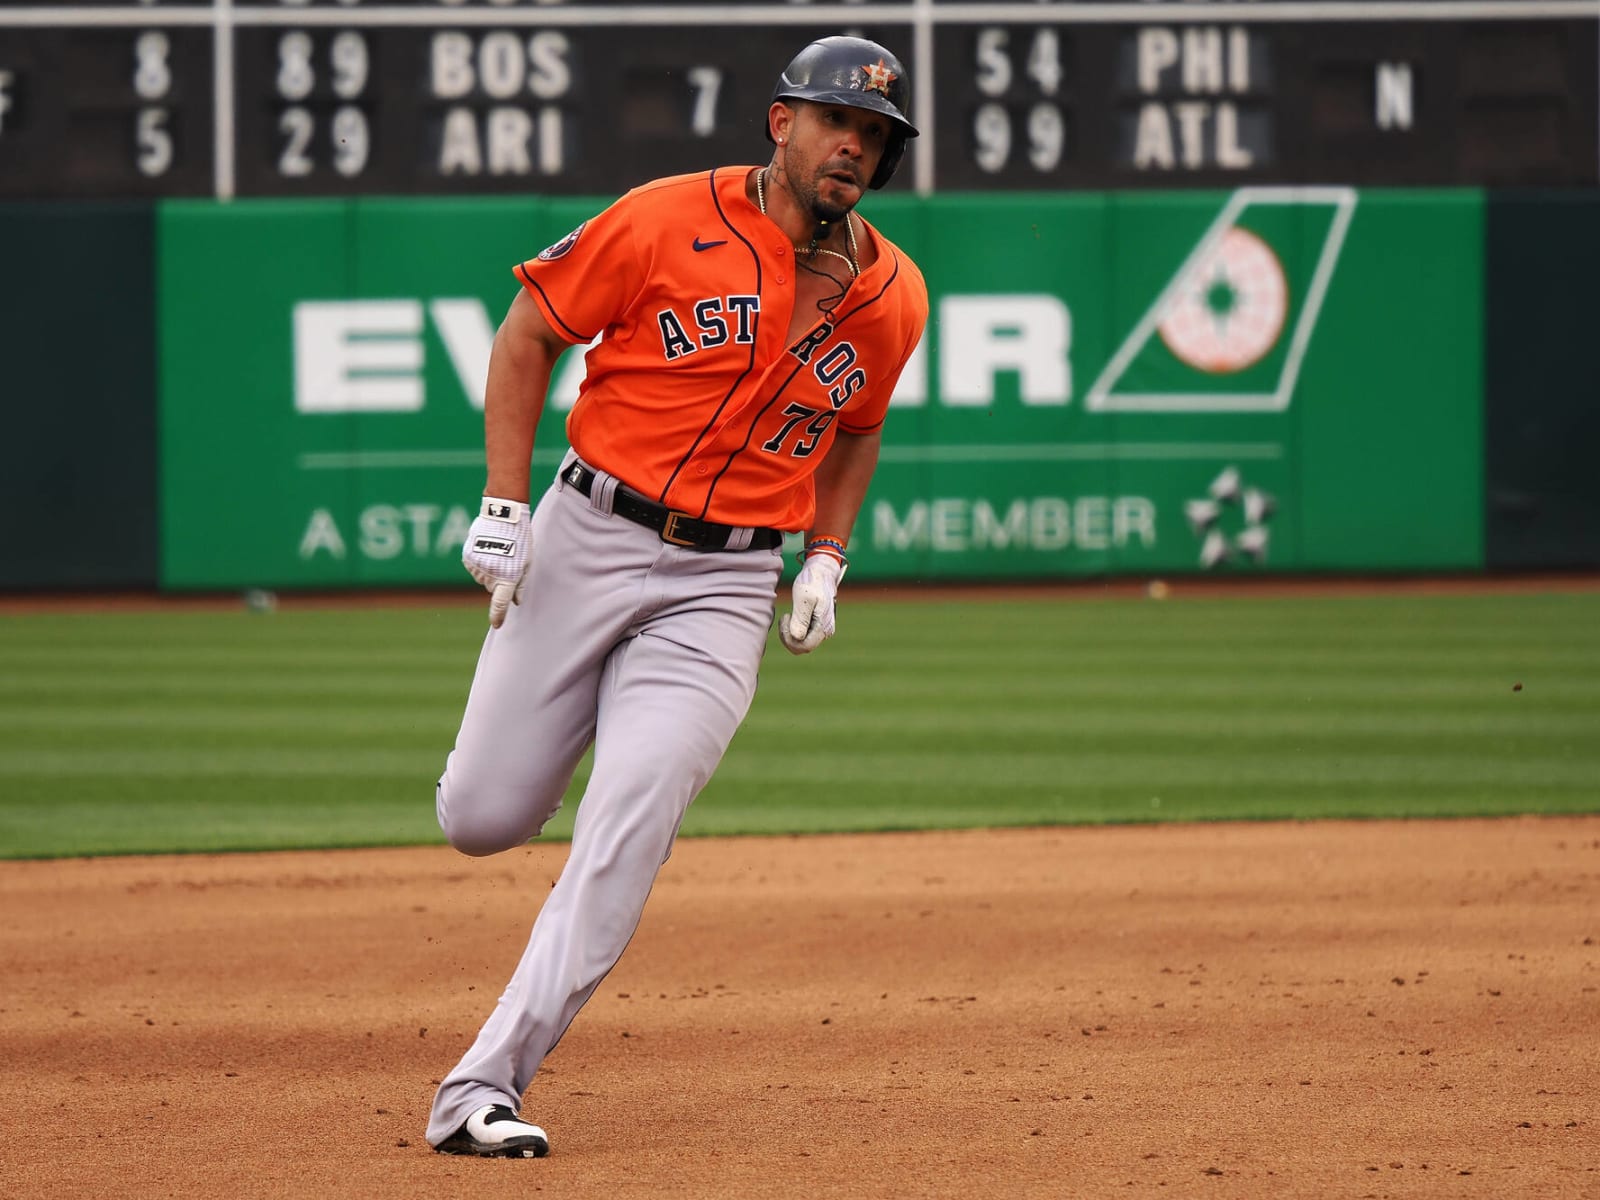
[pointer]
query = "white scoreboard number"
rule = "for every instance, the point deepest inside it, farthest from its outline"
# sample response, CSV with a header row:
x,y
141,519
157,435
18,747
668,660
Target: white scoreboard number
x,y
152,83
1043,128
318,81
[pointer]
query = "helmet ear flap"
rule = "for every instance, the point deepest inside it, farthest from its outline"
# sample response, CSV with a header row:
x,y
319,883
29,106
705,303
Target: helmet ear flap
x,y
887,165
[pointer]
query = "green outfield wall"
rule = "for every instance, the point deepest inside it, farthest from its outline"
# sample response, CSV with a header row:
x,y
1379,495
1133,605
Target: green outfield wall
x,y
1226,381
289,394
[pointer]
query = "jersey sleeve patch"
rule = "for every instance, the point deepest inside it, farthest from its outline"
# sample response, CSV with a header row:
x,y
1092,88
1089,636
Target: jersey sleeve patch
x,y
564,246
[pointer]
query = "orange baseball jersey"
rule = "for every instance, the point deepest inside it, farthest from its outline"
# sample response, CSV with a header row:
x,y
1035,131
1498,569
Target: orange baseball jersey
x,y
693,395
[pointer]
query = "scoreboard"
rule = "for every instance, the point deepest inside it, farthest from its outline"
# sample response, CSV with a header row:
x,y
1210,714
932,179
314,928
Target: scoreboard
x,y
143,98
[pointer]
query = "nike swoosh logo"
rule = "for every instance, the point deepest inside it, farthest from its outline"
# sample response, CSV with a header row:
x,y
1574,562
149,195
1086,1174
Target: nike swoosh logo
x,y
699,245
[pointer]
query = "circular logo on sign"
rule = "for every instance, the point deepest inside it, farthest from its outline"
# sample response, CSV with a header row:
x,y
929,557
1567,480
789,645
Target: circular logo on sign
x,y
565,244
1230,307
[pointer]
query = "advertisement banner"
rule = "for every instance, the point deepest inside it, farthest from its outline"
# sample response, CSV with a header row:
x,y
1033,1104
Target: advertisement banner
x,y
1265,379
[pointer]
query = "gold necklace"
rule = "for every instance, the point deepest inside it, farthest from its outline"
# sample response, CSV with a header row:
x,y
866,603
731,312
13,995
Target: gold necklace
x,y
852,260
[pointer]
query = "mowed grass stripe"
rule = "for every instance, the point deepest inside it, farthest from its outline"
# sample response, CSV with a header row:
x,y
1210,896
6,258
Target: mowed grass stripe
x,y
47,724
235,687
192,731
194,660
1236,685
159,814
110,724
915,766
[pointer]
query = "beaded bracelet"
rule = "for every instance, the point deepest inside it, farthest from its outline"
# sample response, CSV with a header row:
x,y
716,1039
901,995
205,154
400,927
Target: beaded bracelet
x,y
836,543
832,547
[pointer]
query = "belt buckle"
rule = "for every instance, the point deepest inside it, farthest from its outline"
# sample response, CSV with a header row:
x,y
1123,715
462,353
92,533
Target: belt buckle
x,y
669,531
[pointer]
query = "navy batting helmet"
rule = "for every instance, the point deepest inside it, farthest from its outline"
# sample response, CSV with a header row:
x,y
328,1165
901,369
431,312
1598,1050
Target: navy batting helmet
x,y
858,74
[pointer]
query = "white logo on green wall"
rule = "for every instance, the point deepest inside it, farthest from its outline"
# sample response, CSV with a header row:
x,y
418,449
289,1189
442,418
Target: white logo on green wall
x,y
368,356
1213,338
1228,331
1231,520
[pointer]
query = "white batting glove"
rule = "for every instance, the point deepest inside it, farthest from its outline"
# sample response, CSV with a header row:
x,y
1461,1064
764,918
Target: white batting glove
x,y
496,553
804,629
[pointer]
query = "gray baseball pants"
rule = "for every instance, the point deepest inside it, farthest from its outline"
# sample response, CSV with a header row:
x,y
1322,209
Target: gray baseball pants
x,y
647,650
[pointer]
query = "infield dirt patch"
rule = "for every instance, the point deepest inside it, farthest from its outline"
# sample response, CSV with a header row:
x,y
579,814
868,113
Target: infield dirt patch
x,y
1364,1009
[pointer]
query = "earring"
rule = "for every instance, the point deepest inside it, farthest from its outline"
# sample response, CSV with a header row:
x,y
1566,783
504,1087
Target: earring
x,y
780,141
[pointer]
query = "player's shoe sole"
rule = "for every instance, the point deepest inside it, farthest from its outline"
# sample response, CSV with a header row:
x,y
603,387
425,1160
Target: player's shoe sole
x,y
496,1132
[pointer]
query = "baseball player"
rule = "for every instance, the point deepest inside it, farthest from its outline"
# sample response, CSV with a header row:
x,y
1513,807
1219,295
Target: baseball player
x,y
753,329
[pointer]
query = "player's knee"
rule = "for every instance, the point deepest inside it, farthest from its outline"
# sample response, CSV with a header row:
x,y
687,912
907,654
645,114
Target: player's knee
x,y
478,837
480,823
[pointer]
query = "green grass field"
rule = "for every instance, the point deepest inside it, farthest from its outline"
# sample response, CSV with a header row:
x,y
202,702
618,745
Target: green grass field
x,y
187,731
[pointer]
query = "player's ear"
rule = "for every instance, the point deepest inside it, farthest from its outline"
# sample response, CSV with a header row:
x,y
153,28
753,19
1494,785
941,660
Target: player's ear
x,y
780,119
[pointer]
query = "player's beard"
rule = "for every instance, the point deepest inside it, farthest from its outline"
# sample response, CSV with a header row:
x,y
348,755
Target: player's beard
x,y
806,187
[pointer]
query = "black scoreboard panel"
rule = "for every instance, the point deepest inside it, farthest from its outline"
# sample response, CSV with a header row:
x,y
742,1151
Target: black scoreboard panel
x,y
1162,103
504,109
105,111
346,97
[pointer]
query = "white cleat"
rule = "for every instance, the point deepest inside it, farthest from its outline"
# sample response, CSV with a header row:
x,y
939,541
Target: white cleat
x,y
495,1131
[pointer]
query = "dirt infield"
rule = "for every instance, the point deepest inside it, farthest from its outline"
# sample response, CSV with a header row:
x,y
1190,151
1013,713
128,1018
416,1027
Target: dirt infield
x,y
1345,1009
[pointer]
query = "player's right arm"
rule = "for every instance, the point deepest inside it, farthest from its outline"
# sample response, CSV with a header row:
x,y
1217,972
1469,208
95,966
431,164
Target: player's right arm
x,y
497,546
524,355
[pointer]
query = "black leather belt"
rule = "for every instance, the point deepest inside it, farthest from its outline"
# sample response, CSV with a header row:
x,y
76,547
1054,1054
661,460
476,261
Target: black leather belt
x,y
678,528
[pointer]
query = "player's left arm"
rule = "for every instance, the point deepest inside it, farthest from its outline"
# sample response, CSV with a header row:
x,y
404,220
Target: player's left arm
x,y
842,477
841,482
